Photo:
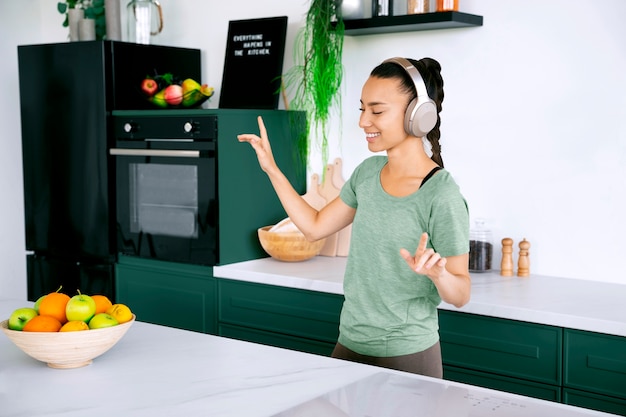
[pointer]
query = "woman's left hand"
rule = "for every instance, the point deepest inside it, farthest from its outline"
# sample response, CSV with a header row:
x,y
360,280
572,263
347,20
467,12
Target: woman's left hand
x,y
425,261
450,275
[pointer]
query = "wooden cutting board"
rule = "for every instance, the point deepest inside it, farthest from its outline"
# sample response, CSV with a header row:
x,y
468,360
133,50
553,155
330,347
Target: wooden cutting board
x,y
343,238
311,196
318,195
329,192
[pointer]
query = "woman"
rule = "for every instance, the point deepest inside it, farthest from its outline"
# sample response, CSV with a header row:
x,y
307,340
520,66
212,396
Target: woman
x,y
402,200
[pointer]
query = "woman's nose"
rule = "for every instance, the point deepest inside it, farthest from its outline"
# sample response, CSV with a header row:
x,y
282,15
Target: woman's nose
x,y
364,120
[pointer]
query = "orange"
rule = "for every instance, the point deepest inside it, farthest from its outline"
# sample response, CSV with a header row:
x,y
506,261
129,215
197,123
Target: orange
x,y
74,325
120,312
102,303
42,324
53,305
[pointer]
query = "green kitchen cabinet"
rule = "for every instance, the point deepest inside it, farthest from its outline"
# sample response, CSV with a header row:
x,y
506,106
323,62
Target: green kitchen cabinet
x,y
167,293
285,317
508,355
246,198
595,371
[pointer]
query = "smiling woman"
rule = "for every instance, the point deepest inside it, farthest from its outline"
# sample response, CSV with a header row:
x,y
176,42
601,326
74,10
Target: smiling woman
x,y
402,200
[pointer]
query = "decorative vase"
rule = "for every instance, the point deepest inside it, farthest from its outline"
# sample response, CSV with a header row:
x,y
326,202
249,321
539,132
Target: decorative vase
x,y
113,20
355,9
73,17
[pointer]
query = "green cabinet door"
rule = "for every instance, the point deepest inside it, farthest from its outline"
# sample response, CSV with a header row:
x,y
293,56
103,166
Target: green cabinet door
x,y
508,355
167,293
595,370
247,200
504,347
281,316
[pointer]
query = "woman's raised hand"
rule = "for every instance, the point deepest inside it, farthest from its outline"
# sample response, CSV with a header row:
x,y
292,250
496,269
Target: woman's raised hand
x,y
261,146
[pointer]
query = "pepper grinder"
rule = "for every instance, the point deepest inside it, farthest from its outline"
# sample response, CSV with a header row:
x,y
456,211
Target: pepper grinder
x,y
506,267
523,263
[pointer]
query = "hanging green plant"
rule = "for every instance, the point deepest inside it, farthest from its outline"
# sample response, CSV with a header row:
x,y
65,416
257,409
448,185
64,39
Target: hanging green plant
x,y
315,80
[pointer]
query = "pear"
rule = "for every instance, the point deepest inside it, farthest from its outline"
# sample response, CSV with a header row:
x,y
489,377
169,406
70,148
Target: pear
x,y
195,94
159,99
190,85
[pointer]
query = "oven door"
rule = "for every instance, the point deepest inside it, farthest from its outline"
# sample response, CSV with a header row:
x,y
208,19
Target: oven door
x,y
167,204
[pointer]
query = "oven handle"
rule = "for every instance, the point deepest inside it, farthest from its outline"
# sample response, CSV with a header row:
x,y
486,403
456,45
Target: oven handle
x,y
155,152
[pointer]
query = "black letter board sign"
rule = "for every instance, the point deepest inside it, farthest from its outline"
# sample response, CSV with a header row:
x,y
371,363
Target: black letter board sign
x,y
254,63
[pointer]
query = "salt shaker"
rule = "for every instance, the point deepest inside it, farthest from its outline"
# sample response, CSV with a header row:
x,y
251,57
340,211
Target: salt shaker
x,y
481,248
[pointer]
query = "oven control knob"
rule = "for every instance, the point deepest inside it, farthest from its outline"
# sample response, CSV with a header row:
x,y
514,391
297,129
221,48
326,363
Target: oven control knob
x,y
130,127
190,127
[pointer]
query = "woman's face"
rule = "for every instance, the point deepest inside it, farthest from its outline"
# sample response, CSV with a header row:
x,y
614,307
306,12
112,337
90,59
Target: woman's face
x,y
383,106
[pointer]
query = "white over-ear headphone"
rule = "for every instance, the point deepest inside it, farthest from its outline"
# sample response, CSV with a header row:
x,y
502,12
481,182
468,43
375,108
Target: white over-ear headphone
x,y
421,113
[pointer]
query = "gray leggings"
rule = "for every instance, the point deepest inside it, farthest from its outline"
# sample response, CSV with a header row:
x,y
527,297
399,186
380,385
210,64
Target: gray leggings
x,y
427,362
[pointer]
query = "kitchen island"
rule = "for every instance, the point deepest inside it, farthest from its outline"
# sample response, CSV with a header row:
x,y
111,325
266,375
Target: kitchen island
x,y
161,371
552,338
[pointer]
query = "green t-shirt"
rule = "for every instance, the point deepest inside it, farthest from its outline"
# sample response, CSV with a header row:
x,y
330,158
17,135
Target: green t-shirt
x,y
389,310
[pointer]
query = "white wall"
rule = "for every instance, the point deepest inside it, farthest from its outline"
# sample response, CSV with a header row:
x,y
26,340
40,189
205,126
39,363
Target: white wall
x,y
533,124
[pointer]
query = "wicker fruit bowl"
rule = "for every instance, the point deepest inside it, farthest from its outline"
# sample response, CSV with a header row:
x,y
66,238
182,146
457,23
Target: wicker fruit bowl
x,y
290,246
67,350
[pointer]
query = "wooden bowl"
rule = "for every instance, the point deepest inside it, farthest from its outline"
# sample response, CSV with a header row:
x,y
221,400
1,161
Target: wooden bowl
x,y
67,350
288,246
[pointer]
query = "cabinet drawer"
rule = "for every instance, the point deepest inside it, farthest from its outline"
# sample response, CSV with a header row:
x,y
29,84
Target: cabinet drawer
x,y
505,347
503,383
595,362
301,313
275,339
594,401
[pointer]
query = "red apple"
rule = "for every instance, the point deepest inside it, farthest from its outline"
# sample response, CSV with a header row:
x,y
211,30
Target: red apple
x,y
149,86
173,94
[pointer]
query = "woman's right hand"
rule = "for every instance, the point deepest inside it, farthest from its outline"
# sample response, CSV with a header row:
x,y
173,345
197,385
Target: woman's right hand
x,y
261,146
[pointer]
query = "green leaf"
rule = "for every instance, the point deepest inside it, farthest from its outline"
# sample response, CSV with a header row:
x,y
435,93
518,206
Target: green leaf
x,y
168,77
62,7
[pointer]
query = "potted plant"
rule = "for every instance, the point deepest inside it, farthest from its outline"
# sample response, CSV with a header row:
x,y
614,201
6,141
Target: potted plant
x,y
94,9
316,78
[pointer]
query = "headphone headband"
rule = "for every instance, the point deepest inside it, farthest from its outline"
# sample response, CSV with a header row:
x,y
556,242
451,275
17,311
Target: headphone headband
x,y
415,75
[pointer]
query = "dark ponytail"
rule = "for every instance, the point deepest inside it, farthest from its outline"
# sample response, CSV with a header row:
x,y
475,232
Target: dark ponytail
x,y
431,73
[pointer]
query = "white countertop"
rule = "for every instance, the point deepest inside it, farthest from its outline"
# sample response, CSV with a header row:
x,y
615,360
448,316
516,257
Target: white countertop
x,y
159,371
576,304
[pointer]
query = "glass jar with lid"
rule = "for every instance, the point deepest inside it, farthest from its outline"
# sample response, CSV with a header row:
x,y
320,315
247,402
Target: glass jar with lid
x,y
481,247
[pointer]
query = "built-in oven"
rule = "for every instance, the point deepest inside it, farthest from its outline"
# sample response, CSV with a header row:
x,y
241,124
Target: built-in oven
x,y
166,195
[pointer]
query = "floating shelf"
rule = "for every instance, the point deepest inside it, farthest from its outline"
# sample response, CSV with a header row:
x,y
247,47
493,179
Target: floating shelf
x,y
411,22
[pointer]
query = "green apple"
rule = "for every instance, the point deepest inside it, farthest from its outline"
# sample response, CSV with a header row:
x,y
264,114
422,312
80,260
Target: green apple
x,y
36,307
80,307
20,317
102,320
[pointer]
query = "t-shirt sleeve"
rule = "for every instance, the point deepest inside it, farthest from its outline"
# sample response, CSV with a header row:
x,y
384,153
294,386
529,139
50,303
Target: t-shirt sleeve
x,y
449,224
348,190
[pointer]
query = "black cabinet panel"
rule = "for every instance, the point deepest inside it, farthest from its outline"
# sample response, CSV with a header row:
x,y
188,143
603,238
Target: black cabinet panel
x,y
46,275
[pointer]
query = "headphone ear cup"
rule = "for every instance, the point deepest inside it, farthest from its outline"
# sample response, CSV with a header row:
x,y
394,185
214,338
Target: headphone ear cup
x,y
408,117
420,118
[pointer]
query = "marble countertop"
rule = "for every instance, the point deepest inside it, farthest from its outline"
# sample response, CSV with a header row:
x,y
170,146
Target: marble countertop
x,y
563,302
160,371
